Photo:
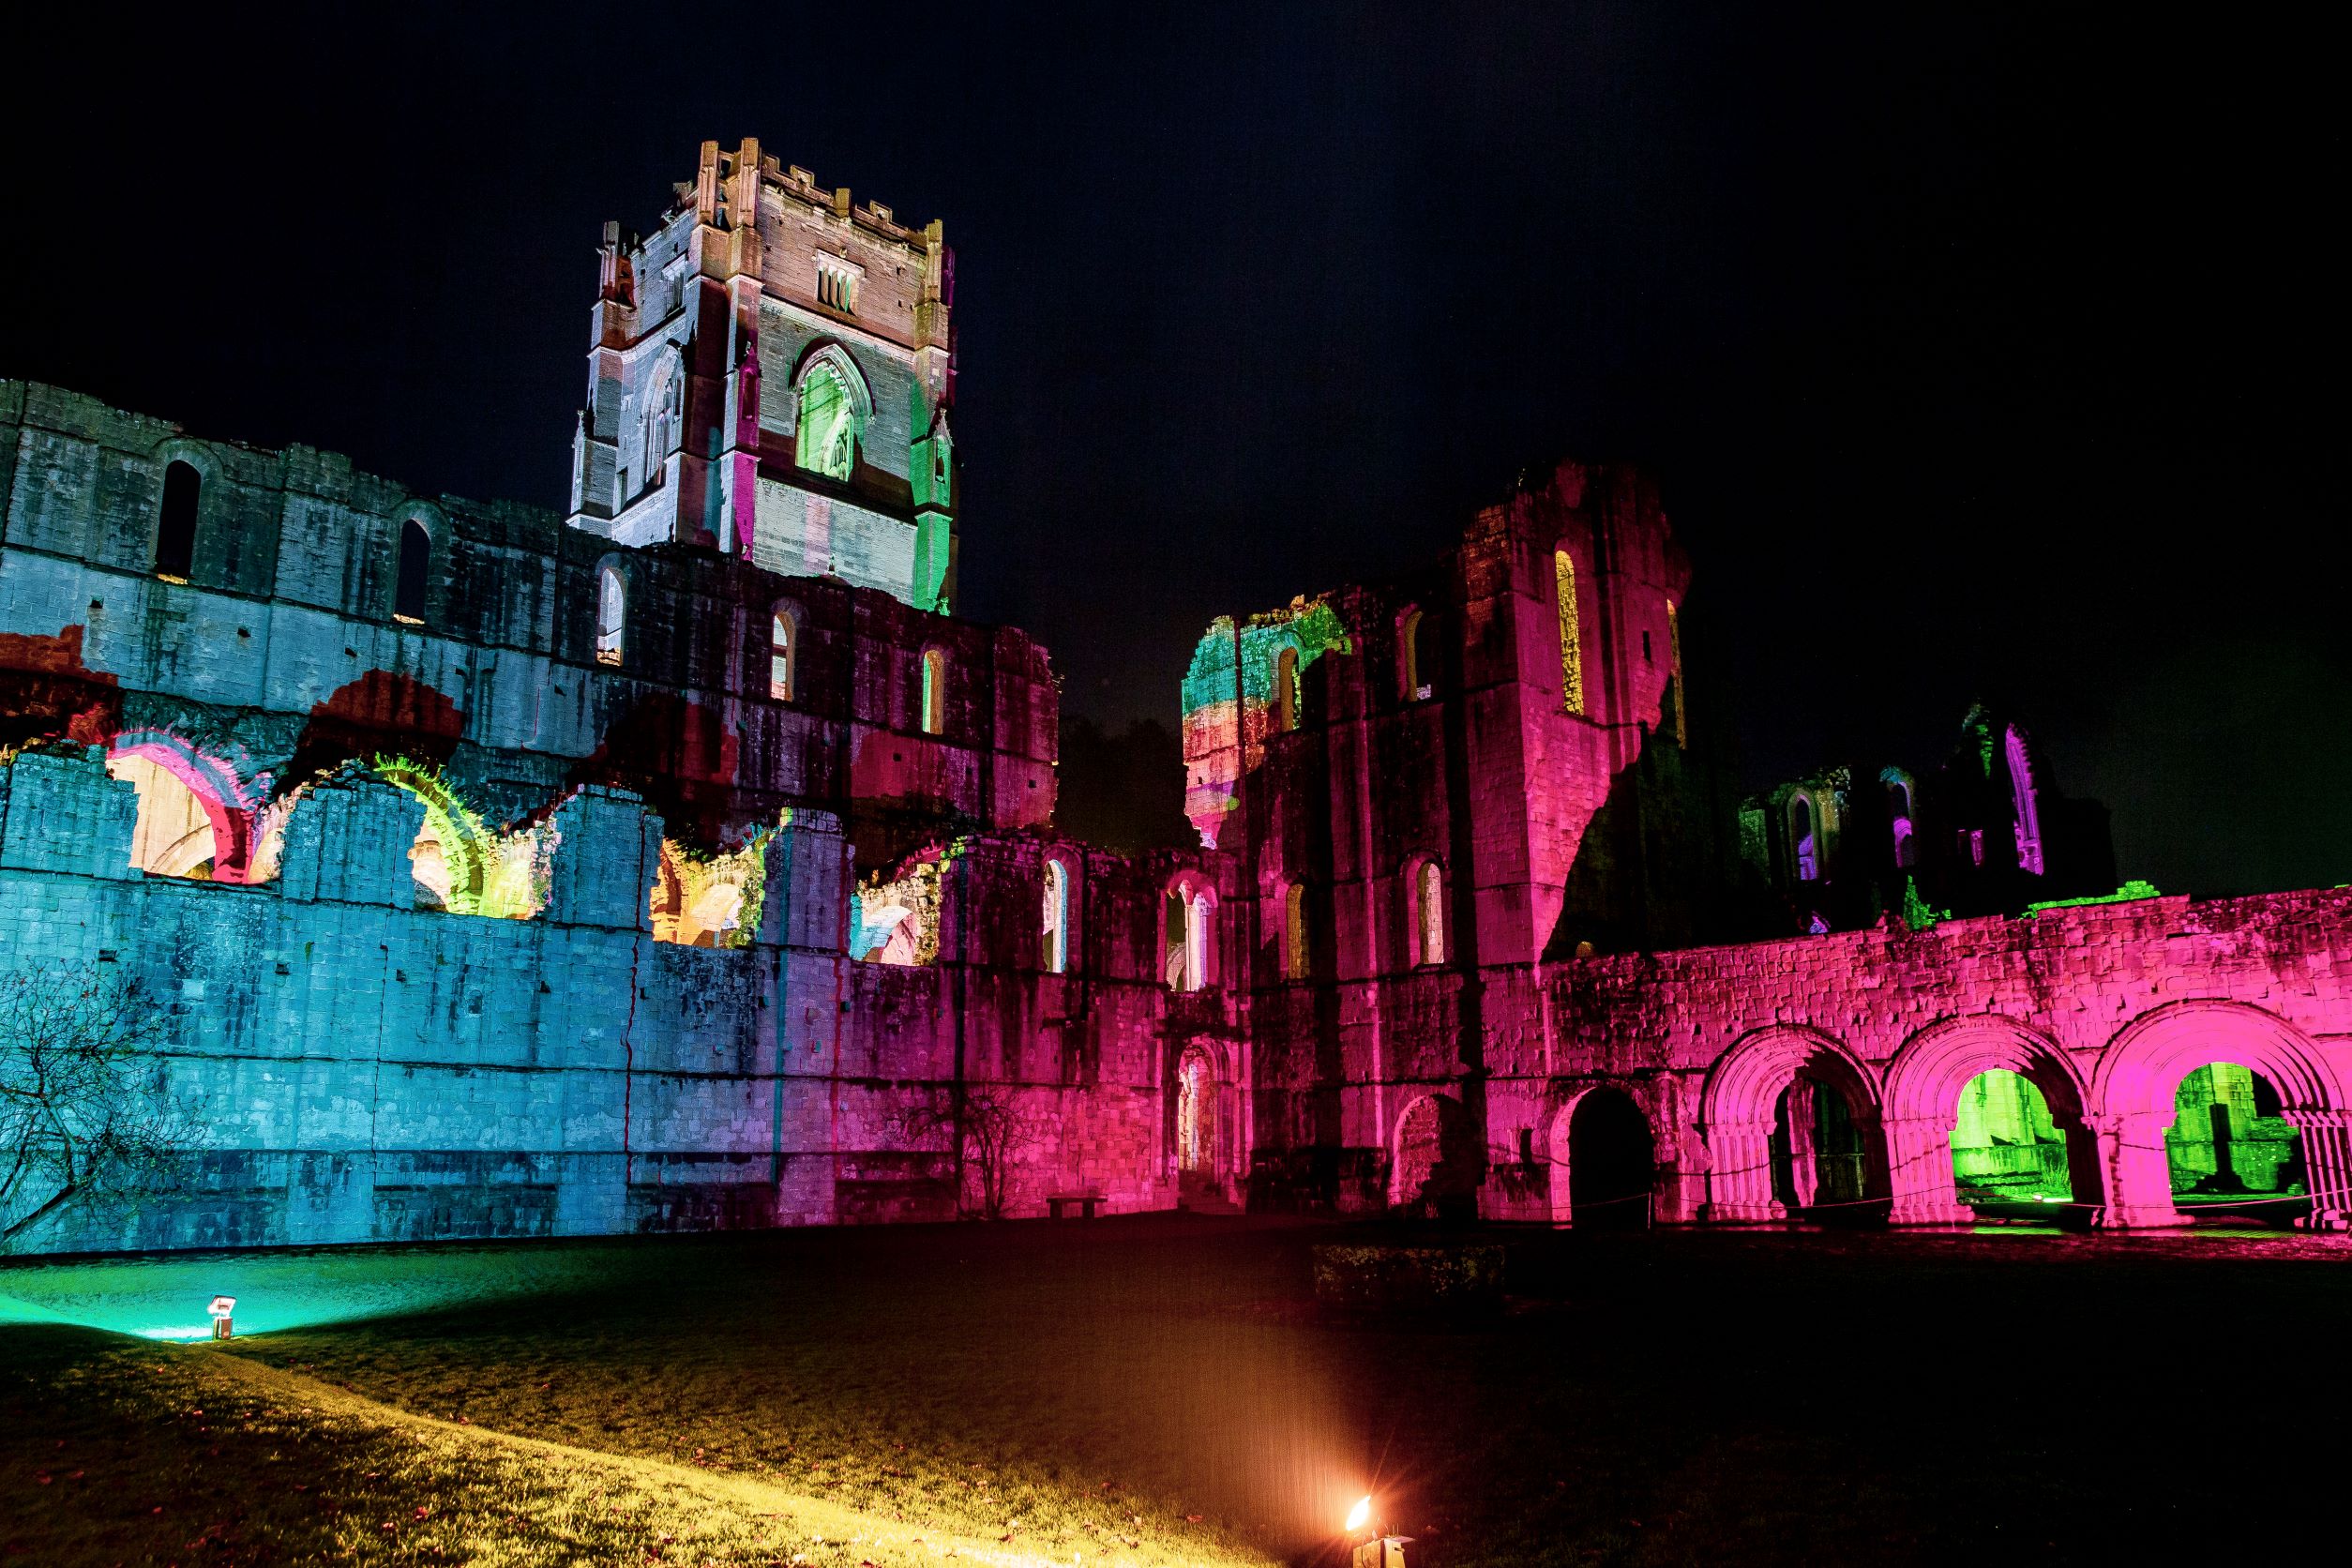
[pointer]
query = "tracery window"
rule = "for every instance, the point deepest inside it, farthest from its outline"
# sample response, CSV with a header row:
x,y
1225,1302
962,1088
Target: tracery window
x,y
417,554
612,613
175,530
2028,814
827,439
1571,637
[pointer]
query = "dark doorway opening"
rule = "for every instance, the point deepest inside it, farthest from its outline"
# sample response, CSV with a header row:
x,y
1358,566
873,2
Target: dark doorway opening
x,y
1612,1163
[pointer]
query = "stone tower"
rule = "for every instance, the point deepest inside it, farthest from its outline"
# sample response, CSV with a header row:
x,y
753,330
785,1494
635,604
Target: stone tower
x,y
770,374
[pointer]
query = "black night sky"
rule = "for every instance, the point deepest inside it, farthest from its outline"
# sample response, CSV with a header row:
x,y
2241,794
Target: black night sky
x,y
1978,358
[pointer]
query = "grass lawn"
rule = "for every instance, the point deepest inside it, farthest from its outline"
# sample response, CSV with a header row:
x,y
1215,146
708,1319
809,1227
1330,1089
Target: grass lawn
x,y
1163,1391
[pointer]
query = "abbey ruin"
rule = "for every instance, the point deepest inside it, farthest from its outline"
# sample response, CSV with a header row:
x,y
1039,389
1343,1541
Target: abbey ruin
x,y
688,862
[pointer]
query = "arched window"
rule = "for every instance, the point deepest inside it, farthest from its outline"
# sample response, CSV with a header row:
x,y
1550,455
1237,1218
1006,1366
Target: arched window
x,y
783,638
1285,692
1185,932
1674,668
1571,637
934,692
611,614
827,442
1420,678
175,531
416,555
1294,932
1801,838
1428,913
1900,825
1057,917
2028,814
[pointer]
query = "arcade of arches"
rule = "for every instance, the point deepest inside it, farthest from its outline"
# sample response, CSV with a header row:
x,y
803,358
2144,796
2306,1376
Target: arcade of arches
x,y
2190,1111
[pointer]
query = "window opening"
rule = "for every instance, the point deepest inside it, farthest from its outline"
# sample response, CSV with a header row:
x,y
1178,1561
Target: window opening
x,y
934,691
780,640
1057,917
611,610
1571,637
175,530
416,551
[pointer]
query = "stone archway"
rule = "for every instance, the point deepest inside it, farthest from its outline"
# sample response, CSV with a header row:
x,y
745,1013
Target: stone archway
x,y
178,782
1748,1093
1431,1161
1612,1162
1925,1083
2134,1091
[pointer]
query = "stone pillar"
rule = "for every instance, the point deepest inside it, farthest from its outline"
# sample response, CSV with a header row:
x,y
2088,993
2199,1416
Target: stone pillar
x,y
1804,1171
2137,1177
2327,1144
1919,1173
1739,1175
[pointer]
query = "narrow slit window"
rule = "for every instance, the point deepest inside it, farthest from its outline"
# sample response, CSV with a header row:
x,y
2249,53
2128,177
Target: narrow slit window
x,y
1057,917
1429,913
1294,932
1285,694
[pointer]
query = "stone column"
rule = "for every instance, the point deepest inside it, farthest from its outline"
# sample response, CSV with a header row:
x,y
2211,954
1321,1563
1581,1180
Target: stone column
x,y
2139,1178
2326,1143
1918,1173
1804,1171
1739,1175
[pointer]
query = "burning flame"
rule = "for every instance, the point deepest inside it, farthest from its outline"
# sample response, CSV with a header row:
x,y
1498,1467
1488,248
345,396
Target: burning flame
x,y
1360,1511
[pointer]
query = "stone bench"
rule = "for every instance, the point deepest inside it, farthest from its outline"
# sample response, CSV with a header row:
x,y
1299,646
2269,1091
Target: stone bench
x,y
1085,1201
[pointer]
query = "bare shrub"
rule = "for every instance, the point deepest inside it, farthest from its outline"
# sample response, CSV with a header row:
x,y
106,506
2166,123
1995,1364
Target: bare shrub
x,y
987,1131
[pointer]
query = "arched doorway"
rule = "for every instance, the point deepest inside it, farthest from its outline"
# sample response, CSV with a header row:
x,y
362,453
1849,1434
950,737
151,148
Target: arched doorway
x,y
1612,1162
2231,1152
2008,1157
1792,1125
1433,1170
2161,1139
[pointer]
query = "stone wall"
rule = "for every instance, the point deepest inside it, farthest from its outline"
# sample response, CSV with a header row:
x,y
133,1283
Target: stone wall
x,y
369,1071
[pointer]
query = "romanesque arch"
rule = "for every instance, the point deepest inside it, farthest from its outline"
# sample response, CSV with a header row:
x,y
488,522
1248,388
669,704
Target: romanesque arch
x,y
1923,1086
2132,1102
227,803
1604,1158
1744,1100
1430,1166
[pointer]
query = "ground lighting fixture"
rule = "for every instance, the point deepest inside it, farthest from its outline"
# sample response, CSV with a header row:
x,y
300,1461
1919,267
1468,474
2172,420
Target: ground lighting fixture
x,y
1382,1551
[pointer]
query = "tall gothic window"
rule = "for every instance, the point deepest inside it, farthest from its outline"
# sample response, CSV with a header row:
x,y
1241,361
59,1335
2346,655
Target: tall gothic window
x,y
1294,932
827,442
1802,839
1674,665
2028,814
1571,637
934,691
1419,677
1057,917
1428,913
416,555
1285,692
612,613
783,638
175,531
